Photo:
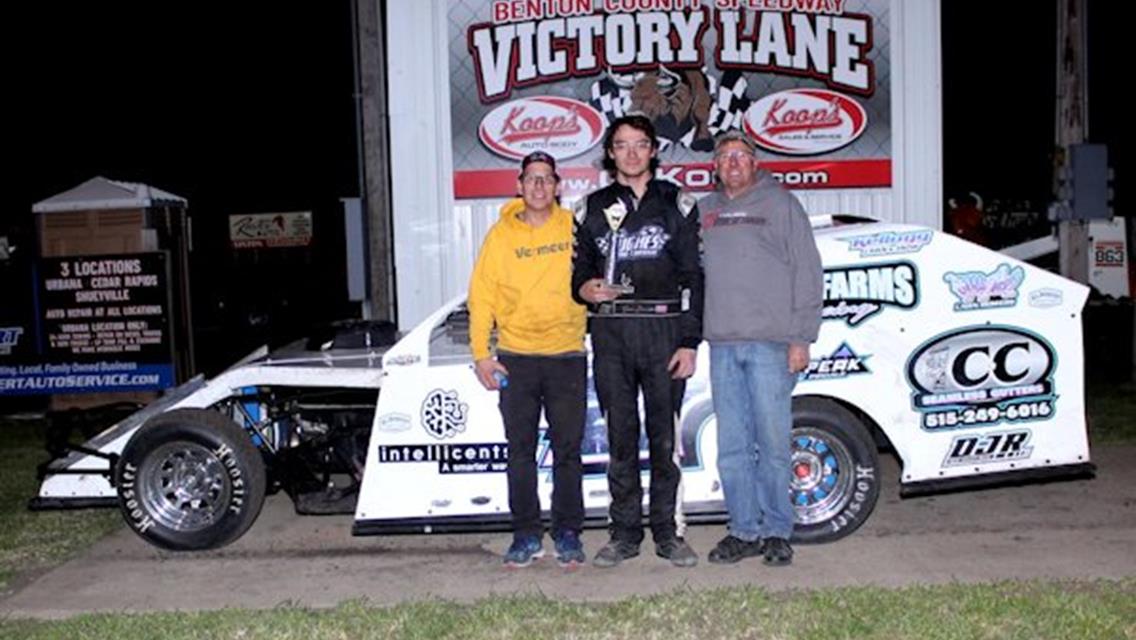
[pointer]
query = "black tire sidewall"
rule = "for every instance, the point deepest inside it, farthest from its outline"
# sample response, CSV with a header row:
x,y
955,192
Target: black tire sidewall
x,y
246,476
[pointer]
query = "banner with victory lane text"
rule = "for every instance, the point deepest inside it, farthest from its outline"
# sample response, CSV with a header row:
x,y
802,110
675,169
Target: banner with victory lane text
x,y
807,80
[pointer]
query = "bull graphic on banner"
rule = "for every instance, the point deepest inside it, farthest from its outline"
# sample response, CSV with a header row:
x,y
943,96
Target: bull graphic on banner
x,y
680,104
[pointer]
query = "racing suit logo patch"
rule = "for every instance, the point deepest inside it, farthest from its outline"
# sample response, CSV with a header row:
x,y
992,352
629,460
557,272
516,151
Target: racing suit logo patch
x,y
643,244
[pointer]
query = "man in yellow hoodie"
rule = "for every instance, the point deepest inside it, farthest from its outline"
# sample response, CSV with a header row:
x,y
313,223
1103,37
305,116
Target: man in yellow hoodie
x,y
522,286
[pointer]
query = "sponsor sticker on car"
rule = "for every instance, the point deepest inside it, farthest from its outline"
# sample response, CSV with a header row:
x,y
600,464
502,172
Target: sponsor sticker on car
x,y
983,448
855,293
982,375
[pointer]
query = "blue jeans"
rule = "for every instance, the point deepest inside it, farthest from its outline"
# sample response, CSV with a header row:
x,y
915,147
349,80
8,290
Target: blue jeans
x,y
752,390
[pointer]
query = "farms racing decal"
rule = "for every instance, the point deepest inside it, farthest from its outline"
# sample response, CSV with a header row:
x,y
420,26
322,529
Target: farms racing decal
x,y
854,294
981,290
443,414
983,448
887,243
841,363
982,375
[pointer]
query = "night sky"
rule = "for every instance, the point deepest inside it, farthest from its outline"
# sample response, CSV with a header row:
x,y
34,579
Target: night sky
x,y
237,109
245,109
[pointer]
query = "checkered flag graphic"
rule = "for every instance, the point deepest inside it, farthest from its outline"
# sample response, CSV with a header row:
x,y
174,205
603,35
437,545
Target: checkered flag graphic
x,y
730,102
610,99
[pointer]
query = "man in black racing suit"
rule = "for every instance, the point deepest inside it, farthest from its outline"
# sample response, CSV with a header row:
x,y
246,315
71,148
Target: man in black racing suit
x,y
645,331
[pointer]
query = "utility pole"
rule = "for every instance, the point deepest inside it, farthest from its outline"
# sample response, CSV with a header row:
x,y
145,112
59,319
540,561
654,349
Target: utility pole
x,y
372,125
1072,127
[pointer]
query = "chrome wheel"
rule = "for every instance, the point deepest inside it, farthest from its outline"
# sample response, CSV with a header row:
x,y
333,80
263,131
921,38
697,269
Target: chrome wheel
x,y
822,475
184,486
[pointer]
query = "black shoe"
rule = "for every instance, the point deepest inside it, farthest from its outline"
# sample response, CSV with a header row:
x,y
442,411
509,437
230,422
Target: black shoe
x,y
677,551
731,550
778,553
614,552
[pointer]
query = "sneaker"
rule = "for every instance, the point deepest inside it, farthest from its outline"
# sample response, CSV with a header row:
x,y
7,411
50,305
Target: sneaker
x,y
778,553
569,549
614,552
731,550
677,551
523,551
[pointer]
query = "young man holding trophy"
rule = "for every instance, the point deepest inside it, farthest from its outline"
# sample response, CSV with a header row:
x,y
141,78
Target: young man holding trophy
x,y
637,268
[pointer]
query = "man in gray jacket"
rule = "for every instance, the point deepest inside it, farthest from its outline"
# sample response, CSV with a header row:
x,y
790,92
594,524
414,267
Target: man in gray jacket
x,y
763,309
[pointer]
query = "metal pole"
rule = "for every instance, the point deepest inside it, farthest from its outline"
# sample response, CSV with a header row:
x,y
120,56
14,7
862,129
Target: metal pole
x,y
357,99
375,161
1072,125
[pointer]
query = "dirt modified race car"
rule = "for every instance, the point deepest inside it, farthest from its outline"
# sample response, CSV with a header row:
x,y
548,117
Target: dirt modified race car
x,y
964,363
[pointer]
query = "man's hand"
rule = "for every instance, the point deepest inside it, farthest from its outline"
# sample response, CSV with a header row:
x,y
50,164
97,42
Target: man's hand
x,y
798,357
682,363
484,369
596,291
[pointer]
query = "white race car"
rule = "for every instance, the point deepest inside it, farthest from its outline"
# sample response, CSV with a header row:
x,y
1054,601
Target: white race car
x,y
965,363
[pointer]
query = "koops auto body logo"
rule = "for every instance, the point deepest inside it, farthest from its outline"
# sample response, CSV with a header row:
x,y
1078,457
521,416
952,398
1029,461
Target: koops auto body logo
x,y
561,127
802,122
982,375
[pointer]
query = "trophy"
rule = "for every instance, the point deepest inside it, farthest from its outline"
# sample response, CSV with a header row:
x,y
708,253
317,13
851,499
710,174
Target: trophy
x,y
615,215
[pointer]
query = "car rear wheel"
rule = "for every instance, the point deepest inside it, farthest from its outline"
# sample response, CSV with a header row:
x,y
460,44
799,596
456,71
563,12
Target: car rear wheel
x,y
835,471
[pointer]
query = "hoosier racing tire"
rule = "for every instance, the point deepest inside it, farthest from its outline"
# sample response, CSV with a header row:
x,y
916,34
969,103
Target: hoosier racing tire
x,y
190,479
835,471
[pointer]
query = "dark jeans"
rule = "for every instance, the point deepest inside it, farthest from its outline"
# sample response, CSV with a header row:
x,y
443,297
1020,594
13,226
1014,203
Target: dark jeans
x,y
632,354
559,386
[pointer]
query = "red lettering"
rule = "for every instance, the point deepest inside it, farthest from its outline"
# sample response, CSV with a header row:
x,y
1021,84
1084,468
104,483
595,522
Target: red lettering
x,y
517,127
510,10
800,119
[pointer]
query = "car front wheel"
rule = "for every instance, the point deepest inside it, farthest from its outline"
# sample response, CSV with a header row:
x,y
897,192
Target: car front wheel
x,y
190,479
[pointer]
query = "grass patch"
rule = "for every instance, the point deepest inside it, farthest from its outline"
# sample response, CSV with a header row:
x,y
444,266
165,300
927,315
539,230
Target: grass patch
x,y
1112,412
31,541
1030,610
